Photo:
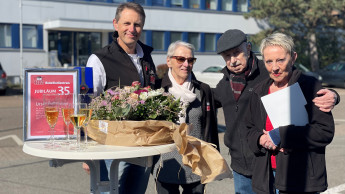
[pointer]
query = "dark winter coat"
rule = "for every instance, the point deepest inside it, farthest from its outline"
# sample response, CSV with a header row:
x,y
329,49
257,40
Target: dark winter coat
x,y
234,112
303,167
120,69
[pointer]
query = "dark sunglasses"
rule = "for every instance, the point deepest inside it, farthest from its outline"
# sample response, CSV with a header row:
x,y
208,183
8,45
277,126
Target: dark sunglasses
x,y
181,60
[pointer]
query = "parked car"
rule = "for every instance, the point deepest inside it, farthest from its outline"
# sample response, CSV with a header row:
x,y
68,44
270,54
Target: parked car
x,y
334,74
3,80
306,71
211,75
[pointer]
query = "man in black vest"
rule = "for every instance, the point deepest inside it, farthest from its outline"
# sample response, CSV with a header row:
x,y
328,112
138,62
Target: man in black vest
x,y
120,63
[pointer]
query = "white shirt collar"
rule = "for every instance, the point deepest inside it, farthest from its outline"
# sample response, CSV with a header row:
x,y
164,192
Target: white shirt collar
x,y
140,51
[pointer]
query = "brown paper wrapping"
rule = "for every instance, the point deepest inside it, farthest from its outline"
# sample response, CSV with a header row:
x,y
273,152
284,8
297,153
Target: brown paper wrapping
x,y
132,133
201,156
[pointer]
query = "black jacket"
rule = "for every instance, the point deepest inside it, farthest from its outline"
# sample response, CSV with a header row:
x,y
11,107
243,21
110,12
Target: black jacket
x,y
234,112
303,167
209,114
120,69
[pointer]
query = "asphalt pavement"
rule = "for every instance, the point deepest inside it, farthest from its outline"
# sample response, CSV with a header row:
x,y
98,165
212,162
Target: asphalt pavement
x,y
25,174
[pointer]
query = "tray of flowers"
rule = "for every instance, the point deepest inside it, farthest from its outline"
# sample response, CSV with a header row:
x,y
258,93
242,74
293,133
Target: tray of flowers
x,y
134,116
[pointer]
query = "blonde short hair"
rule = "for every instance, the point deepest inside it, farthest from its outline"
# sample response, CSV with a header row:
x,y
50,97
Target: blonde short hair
x,y
278,39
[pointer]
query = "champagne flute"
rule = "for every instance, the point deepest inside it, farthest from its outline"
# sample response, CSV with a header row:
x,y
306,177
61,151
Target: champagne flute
x,y
78,120
67,111
51,110
85,109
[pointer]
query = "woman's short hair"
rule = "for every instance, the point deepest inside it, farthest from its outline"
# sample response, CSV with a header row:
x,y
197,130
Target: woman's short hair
x,y
278,39
173,46
133,6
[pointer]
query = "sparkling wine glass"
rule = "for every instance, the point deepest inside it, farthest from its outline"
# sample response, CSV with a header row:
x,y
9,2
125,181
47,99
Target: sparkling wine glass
x,y
85,100
87,111
67,111
51,110
78,120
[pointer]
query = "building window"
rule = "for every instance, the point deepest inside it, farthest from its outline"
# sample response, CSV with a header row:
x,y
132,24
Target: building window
x,y
119,1
30,36
141,2
210,42
143,37
255,47
158,2
176,3
227,5
195,4
194,39
211,4
158,40
175,36
96,38
5,35
62,43
242,5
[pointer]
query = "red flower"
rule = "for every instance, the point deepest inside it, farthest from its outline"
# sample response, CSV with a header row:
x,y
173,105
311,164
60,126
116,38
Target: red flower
x,y
139,91
136,83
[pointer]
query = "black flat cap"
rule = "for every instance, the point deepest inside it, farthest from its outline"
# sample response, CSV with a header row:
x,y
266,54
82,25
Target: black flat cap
x,y
230,39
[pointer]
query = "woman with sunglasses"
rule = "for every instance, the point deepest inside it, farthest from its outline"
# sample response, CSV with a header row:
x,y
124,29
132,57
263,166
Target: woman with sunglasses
x,y
169,171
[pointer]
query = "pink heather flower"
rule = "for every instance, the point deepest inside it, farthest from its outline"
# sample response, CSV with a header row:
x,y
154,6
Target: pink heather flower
x,y
111,92
104,103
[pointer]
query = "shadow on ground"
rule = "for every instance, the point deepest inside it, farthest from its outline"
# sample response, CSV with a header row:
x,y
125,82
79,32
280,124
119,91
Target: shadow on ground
x,y
11,91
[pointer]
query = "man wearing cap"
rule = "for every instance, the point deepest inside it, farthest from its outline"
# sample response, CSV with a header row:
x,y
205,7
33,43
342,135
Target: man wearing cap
x,y
242,73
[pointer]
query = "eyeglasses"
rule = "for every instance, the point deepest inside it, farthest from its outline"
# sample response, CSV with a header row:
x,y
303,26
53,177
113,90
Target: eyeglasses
x,y
181,60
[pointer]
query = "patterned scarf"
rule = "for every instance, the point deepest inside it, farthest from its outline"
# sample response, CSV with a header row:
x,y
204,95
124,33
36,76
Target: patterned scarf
x,y
239,81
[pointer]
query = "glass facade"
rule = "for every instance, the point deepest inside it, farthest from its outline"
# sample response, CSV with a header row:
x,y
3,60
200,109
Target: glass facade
x,y
30,36
194,39
74,48
158,40
210,42
5,35
211,4
176,3
175,36
242,5
194,4
158,2
226,5
143,37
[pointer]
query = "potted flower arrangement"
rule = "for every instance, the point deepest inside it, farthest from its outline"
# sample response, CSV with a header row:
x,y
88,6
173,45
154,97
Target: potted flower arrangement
x,y
134,116
136,104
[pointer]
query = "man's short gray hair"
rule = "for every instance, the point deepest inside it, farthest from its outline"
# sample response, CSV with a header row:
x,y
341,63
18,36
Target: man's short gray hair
x,y
133,6
173,46
278,39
